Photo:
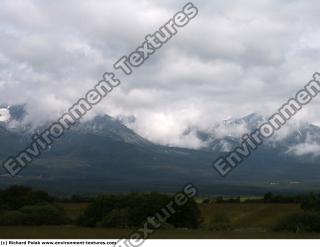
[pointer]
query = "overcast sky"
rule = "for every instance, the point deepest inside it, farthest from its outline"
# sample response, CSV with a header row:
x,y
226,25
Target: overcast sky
x,y
234,58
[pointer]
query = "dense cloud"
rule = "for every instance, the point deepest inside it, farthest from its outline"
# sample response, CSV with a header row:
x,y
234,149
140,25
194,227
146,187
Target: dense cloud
x,y
235,58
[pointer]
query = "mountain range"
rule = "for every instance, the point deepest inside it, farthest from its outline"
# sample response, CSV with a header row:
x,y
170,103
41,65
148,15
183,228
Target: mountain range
x,y
103,154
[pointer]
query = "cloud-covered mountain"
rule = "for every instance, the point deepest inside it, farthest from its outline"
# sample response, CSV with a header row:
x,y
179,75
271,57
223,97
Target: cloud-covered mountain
x,y
293,139
102,153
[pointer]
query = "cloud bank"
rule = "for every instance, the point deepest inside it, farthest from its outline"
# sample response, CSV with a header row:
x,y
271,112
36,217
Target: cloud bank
x,y
236,57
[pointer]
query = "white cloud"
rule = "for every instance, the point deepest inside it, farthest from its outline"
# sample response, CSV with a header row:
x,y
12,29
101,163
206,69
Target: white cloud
x,y
4,115
305,149
234,58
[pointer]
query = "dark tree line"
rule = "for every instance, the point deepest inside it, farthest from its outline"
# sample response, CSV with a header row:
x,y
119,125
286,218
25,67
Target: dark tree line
x,y
306,221
20,205
132,210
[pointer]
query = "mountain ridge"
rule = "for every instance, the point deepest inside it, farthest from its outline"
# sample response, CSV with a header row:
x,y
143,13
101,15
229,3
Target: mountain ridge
x,y
103,153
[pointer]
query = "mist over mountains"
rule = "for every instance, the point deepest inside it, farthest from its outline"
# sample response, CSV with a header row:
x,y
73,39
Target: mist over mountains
x,y
103,154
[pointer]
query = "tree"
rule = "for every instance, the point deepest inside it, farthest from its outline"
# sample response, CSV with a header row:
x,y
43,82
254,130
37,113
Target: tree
x,y
268,197
300,222
134,209
311,203
116,218
17,196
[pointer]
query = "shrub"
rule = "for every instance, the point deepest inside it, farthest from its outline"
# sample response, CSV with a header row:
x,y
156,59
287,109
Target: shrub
x,y
86,221
140,207
220,199
116,218
300,222
34,215
220,222
271,198
133,210
166,226
206,201
15,197
188,216
12,218
44,215
311,203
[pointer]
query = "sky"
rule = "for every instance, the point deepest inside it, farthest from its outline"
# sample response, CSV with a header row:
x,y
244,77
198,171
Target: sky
x,y
236,57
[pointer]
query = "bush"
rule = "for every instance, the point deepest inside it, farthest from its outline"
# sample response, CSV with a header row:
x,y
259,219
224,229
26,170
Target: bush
x,y
132,210
271,198
311,203
188,216
34,215
86,221
206,201
116,218
15,197
220,199
140,206
44,215
166,226
220,222
300,222
12,218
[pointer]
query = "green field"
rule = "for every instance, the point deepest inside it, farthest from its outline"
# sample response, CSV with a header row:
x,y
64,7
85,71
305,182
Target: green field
x,y
248,220
247,216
